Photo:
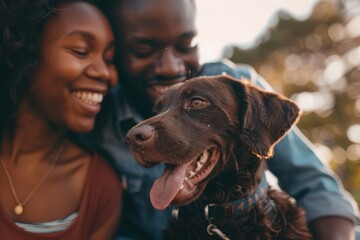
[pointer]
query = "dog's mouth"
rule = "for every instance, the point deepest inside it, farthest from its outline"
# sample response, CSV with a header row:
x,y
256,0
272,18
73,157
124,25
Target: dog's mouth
x,y
183,183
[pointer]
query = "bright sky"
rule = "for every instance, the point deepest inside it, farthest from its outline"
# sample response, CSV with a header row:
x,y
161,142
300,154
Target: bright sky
x,y
222,22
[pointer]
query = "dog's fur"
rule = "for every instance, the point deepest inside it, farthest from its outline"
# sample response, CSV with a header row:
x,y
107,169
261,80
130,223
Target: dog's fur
x,y
234,125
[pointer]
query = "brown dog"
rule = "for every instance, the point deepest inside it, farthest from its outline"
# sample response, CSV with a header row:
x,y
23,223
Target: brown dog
x,y
214,134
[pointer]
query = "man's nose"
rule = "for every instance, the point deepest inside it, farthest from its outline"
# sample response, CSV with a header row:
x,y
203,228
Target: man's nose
x,y
169,63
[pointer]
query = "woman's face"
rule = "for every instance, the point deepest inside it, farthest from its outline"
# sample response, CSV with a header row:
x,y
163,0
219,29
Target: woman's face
x,y
76,68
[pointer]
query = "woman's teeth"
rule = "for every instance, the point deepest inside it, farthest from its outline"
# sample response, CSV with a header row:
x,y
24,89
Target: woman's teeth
x,y
88,97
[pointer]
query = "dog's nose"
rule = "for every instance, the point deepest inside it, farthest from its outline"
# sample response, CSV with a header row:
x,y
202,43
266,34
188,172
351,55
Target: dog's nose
x,y
140,134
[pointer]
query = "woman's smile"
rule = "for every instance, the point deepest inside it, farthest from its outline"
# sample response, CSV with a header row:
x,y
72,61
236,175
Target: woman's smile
x,y
89,102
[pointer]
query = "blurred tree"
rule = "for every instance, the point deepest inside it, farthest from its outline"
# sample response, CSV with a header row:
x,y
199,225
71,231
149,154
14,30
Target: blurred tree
x,y
317,63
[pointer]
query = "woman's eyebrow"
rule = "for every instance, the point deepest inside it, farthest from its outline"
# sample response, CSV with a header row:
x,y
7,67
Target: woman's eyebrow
x,y
86,35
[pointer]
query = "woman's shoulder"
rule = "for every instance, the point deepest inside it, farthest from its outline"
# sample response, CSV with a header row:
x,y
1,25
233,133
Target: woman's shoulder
x,y
96,165
102,176
102,166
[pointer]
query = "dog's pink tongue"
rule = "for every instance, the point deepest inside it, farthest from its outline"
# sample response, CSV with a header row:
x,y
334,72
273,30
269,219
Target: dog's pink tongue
x,y
166,187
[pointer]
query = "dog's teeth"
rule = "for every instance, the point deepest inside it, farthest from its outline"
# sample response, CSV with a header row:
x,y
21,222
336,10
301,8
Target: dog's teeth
x,y
182,186
191,174
204,158
186,178
198,166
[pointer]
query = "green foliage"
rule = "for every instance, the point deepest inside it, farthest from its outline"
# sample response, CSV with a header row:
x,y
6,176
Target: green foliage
x,y
316,61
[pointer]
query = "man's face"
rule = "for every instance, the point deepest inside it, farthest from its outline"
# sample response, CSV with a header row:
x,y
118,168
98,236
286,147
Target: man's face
x,y
159,47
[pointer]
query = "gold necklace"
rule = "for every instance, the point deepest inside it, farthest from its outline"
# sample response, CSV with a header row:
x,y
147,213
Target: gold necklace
x,y
19,208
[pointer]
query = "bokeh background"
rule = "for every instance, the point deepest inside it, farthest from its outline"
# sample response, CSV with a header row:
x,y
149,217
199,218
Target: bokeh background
x,y
312,56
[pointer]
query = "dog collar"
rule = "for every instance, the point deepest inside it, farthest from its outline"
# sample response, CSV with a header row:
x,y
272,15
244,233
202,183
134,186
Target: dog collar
x,y
238,207
234,209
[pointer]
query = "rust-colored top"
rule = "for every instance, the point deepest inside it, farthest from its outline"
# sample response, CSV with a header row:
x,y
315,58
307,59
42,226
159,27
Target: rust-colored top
x,y
101,195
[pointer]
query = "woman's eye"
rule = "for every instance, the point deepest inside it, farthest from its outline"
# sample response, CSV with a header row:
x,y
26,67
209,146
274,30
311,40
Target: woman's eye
x,y
198,103
80,52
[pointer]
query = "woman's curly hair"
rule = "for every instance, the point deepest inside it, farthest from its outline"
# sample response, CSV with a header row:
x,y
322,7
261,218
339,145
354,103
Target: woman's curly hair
x,y
21,25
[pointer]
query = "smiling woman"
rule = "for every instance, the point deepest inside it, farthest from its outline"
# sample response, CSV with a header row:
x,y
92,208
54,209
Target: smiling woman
x,y
76,65
56,67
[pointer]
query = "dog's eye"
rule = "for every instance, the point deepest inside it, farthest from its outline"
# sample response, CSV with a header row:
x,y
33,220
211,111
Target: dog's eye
x,y
197,102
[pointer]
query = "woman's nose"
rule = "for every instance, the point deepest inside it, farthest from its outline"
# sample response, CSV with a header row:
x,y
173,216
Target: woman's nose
x,y
99,70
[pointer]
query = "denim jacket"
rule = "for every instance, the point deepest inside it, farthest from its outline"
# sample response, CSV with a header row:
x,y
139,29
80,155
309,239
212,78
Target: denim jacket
x,y
300,172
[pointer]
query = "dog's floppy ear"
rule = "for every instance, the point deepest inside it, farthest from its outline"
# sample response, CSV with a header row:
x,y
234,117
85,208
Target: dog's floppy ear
x,y
265,117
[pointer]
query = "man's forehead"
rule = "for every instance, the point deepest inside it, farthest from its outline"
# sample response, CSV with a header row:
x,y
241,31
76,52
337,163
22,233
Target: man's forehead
x,y
152,5
157,16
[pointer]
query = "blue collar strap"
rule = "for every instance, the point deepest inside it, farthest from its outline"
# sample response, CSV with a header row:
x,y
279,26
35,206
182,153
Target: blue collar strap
x,y
240,207
235,209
